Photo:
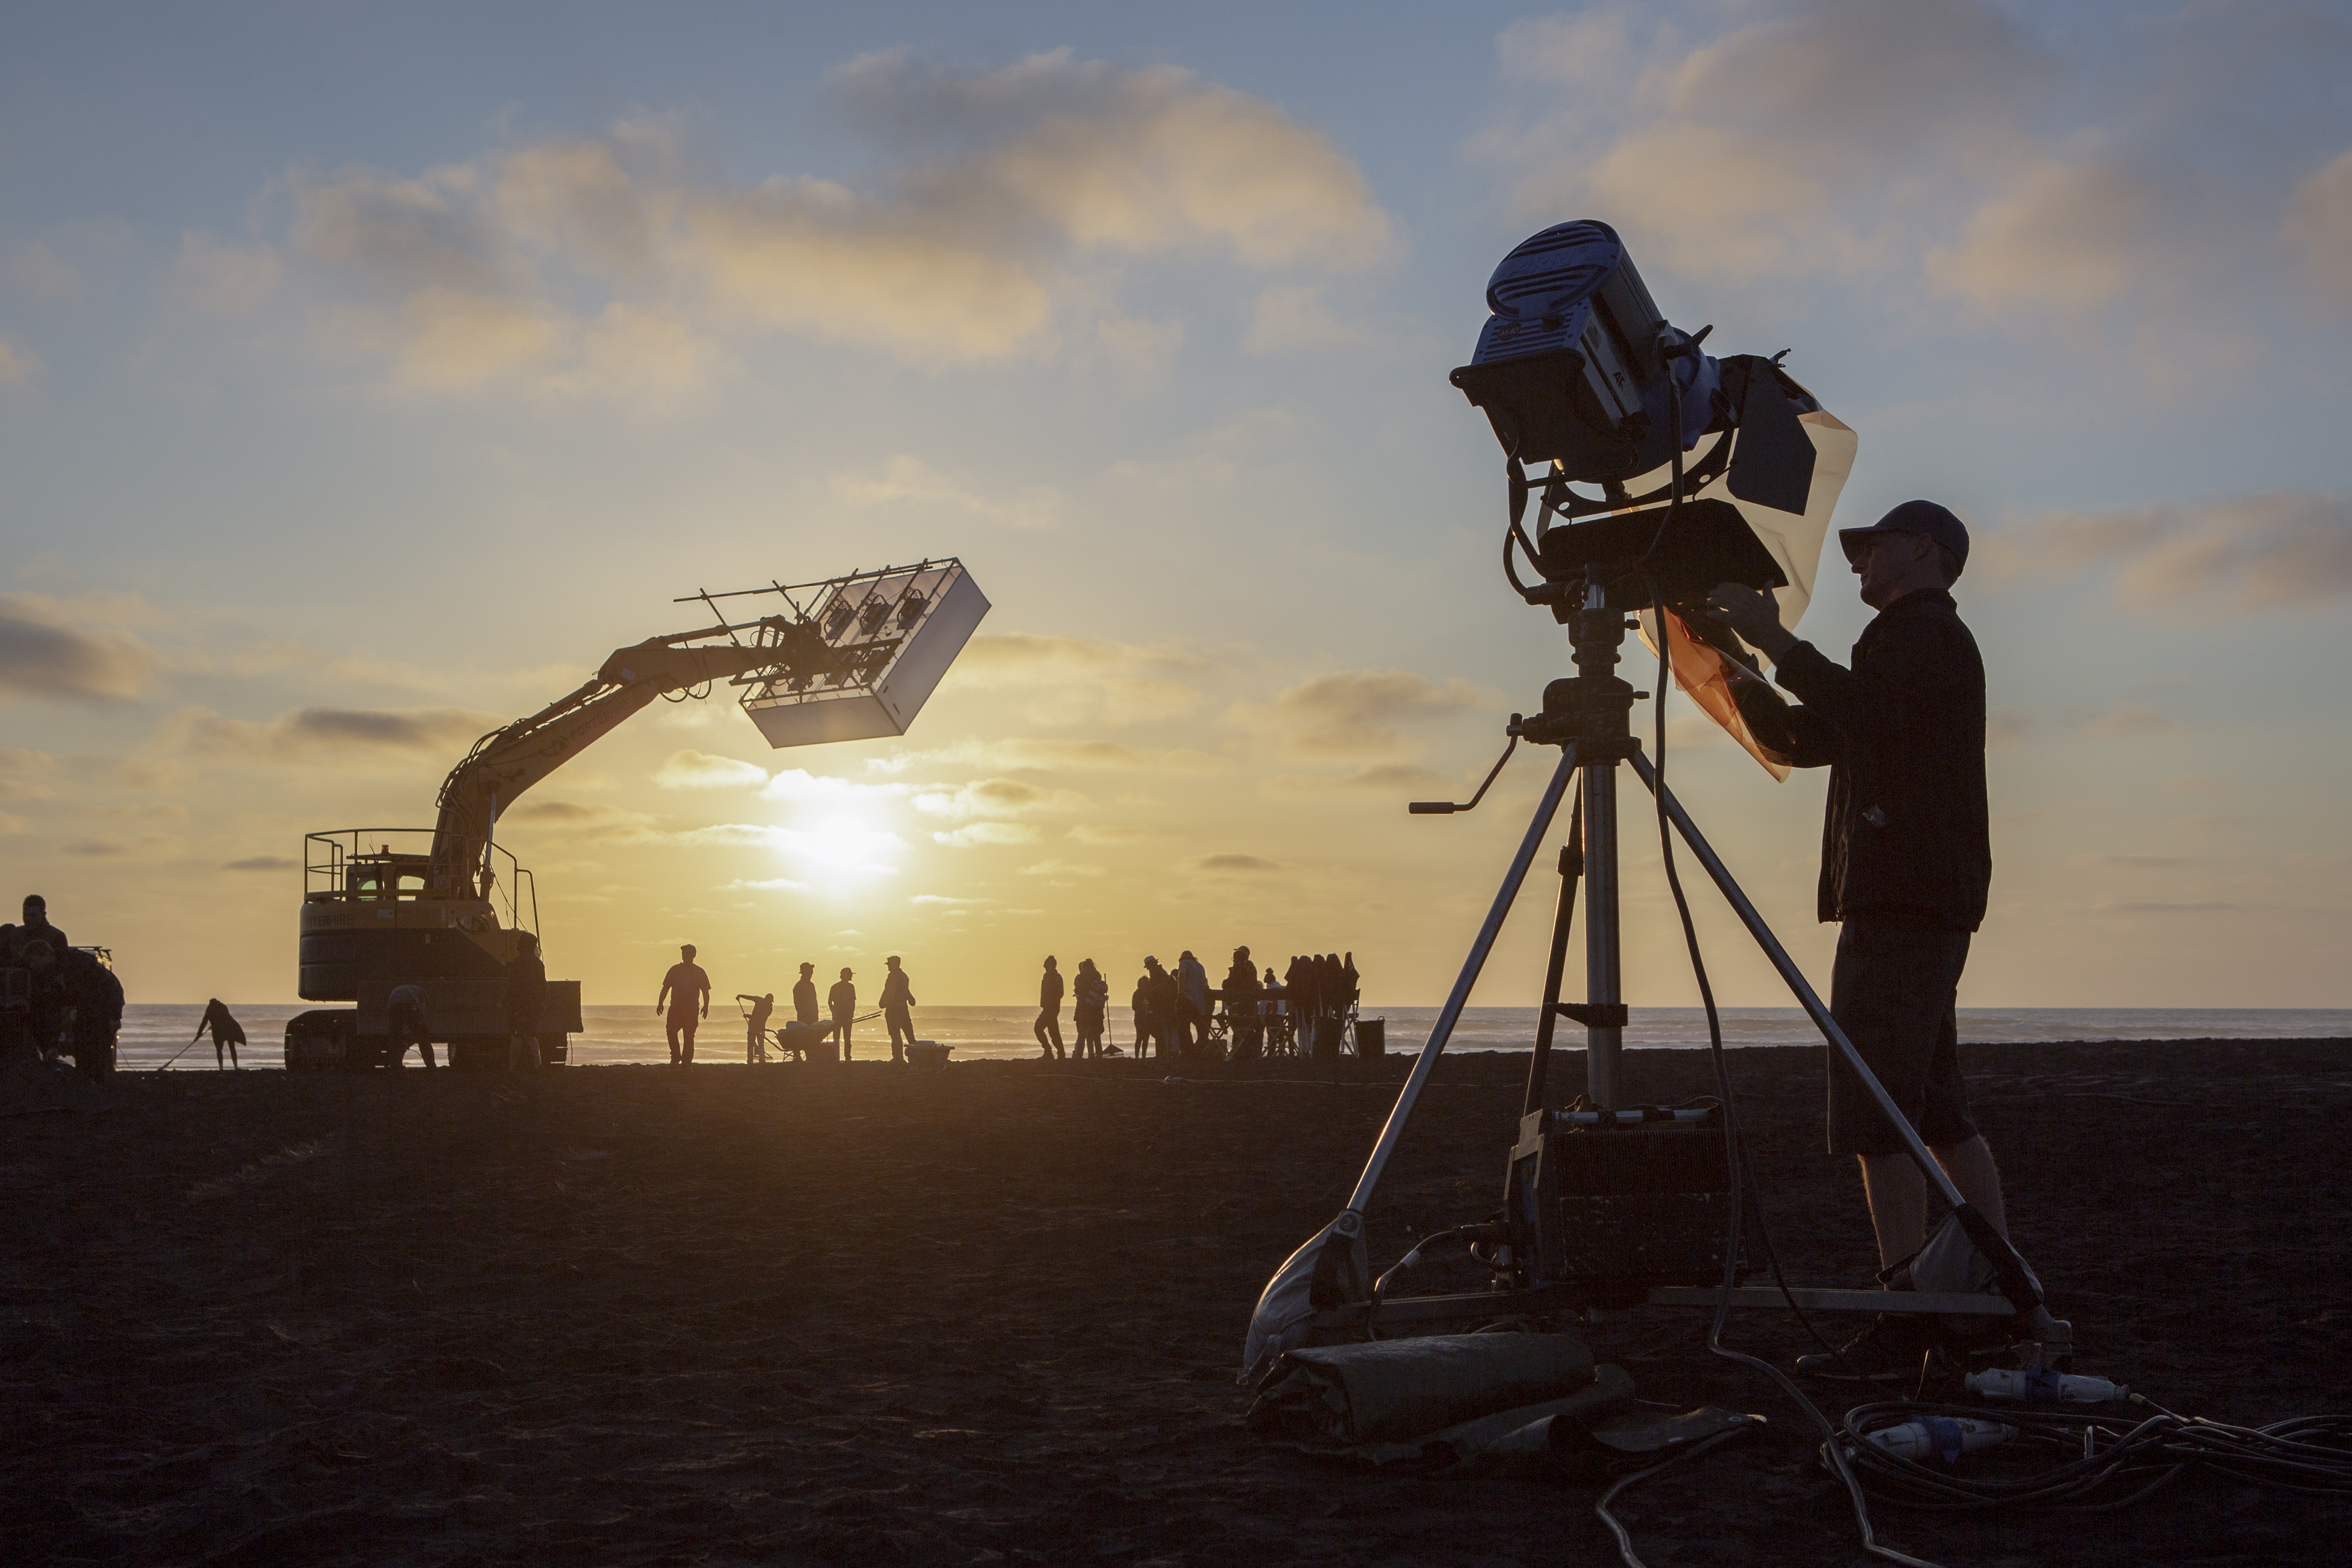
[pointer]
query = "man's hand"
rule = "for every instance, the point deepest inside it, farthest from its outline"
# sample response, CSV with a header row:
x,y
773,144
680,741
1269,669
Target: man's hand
x,y
1756,616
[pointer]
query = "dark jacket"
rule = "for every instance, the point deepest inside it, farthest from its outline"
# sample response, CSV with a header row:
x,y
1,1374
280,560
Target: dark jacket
x,y
805,1002
1050,990
897,991
1907,834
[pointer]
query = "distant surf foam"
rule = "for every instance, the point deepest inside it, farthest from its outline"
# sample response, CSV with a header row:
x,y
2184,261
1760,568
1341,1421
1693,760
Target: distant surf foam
x,y
152,1032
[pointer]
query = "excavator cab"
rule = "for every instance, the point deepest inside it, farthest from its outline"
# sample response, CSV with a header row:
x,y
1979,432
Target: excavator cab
x,y
376,914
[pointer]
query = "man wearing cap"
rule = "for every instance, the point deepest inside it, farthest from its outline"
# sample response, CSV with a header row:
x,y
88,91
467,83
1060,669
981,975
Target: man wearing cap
x,y
1907,861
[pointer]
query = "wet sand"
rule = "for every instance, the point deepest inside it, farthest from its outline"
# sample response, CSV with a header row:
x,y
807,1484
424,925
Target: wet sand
x,y
993,1315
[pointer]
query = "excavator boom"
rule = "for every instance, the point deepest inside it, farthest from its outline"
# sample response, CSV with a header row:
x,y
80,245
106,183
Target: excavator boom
x,y
855,633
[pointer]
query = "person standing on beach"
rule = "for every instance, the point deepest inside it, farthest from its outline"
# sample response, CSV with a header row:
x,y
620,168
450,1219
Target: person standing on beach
x,y
405,1018
1048,1027
525,1000
1140,1006
804,998
842,1000
1241,1004
1193,1003
1907,868
897,996
37,927
681,988
1164,1004
755,1026
1092,993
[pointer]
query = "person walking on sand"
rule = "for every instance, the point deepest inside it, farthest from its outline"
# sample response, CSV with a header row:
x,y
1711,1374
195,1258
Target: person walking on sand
x,y
842,1000
1093,992
1907,867
755,1027
1048,1027
897,996
228,1033
681,988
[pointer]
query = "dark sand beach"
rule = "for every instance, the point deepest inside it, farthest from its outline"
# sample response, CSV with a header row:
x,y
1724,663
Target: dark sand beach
x,y
993,1315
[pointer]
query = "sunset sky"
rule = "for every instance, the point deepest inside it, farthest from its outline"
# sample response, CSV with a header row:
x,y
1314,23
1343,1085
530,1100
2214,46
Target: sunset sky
x,y
369,372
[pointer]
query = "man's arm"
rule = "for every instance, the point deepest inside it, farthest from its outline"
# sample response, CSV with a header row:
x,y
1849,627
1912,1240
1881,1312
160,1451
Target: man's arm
x,y
1838,702
664,995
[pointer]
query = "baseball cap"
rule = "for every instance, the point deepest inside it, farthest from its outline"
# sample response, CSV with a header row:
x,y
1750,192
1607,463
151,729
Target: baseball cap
x,y
1923,518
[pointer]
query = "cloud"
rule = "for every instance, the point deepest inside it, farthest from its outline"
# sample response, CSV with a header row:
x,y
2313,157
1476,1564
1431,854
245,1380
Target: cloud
x,y
18,365
1024,754
2276,550
219,280
43,653
1104,834
1355,712
359,736
1295,318
97,848
972,834
1245,865
767,884
2007,727
700,770
996,798
1074,680
1919,154
2317,232
26,776
2131,721
262,863
1064,868
908,479
1005,204
1384,777
595,818
942,901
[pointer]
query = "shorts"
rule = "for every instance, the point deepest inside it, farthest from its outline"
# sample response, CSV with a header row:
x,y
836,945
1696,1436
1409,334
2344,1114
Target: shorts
x,y
1892,992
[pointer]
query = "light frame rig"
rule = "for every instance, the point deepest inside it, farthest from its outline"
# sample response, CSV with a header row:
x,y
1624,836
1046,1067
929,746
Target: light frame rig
x,y
1577,369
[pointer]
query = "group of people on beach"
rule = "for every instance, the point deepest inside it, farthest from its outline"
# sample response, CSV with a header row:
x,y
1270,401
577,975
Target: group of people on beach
x,y
684,1002
1175,1011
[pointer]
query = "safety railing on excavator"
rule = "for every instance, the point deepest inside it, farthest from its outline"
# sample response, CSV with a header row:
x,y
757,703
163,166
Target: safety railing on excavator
x,y
339,865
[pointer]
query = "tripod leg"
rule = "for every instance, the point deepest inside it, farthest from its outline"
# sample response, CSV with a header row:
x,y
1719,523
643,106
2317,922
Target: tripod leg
x,y
1572,864
2017,1279
1331,1267
1505,896
1604,988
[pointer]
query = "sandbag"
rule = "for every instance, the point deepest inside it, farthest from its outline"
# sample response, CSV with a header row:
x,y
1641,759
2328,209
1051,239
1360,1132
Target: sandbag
x,y
1395,1390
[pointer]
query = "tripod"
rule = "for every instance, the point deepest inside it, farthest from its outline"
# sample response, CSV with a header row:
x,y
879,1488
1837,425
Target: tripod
x,y
1324,1287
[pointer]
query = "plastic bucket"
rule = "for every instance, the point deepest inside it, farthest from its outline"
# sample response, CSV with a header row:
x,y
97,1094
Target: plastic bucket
x,y
1371,1037
927,1055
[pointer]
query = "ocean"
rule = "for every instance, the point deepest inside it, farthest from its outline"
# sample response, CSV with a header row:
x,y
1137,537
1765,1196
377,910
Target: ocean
x,y
153,1032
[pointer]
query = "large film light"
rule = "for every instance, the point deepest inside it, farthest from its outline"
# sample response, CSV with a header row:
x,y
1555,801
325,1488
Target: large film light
x,y
1578,371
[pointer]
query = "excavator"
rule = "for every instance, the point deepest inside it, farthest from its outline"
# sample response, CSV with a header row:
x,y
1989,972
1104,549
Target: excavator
x,y
446,908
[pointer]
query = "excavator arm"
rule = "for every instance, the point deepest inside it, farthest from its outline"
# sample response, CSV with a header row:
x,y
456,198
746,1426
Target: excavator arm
x,y
507,762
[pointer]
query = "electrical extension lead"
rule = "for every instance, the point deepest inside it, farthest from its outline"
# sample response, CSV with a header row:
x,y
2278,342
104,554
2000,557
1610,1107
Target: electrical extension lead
x,y
2098,1462
2040,1385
